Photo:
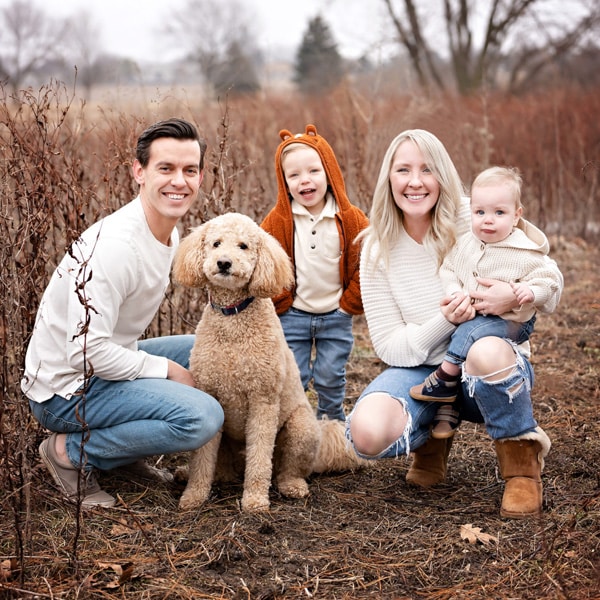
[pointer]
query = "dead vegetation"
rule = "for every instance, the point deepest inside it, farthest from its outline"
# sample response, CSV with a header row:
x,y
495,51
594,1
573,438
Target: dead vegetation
x,y
358,535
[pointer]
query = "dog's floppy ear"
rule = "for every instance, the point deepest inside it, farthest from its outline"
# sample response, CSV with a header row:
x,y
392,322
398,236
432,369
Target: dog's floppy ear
x,y
273,271
189,259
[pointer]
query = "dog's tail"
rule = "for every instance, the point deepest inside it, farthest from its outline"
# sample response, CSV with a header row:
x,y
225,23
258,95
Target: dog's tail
x,y
335,451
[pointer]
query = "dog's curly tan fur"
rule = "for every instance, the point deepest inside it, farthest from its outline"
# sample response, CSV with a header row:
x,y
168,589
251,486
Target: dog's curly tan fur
x,y
243,360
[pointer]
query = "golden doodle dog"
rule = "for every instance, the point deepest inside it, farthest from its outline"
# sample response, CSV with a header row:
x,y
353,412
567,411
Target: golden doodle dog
x,y
241,357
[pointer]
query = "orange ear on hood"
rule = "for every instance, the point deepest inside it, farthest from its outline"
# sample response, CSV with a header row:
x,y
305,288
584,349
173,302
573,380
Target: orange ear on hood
x,y
284,134
310,129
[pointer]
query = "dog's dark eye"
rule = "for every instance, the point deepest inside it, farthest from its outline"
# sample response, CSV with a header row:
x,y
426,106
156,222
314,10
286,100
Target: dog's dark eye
x,y
216,244
243,246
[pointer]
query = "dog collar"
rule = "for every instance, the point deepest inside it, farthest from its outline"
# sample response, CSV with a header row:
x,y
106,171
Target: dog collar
x,y
233,309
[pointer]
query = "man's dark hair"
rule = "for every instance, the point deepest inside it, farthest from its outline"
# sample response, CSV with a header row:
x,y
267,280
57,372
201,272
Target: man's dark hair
x,y
171,128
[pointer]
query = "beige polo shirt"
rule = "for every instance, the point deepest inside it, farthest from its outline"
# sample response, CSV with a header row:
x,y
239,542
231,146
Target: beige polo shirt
x,y
317,255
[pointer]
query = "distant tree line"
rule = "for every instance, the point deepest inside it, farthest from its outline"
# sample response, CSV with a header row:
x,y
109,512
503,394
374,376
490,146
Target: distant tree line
x,y
438,45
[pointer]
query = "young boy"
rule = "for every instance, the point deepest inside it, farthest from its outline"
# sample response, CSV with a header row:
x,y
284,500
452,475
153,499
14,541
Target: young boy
x,y
502,246
316,224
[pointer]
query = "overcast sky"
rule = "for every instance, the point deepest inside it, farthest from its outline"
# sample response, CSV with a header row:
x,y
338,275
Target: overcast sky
x,y
132,27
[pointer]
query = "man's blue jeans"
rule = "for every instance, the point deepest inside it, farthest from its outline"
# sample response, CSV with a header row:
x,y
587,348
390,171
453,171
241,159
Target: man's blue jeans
x,y
331,335
129,420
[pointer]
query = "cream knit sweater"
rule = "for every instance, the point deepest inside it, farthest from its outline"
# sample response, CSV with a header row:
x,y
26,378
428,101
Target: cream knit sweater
x,y
402,303
521,257
402,306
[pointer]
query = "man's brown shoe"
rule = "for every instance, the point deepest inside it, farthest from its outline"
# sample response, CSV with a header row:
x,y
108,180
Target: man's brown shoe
x,y
67,479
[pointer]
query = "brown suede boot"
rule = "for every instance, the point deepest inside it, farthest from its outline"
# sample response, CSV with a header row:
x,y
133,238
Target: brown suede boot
x,y
521,461
429,463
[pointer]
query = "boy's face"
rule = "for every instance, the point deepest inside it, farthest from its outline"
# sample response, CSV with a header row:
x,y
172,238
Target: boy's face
x,y
306,178
170,182
493,212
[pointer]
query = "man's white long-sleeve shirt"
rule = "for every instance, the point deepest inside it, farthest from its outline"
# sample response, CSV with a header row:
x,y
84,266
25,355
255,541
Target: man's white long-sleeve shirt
x,y
99,302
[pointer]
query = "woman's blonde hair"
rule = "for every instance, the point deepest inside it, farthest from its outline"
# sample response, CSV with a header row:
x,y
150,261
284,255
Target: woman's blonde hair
x,y
386,219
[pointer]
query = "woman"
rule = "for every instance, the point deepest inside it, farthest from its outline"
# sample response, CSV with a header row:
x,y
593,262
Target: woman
x,y
417,214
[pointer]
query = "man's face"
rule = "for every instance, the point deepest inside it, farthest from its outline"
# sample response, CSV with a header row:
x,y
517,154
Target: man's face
x,y
170,182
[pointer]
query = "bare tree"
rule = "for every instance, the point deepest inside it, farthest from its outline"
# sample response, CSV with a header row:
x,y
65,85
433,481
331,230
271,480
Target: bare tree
x,y
208,29
30,38
480,39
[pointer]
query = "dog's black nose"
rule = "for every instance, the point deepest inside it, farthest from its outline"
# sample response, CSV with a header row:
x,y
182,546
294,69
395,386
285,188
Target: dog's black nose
x,y
224,265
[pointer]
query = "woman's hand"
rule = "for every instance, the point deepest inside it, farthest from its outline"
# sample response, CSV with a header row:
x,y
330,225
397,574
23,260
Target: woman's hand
x,y
497,299
457,308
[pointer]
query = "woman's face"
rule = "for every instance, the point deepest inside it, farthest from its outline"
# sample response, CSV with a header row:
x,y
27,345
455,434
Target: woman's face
x,y
414,187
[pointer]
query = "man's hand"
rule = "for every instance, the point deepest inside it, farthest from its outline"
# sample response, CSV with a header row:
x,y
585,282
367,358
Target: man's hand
x,y
180,374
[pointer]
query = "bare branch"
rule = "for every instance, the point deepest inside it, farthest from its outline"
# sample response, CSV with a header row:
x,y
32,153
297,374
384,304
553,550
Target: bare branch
x,y
414,43
483,38
30,38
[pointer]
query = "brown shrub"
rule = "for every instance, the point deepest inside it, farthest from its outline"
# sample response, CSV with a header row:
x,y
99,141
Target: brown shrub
x,y
63,165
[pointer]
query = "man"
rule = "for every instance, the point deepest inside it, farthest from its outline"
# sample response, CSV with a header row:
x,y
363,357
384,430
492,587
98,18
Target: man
x,y
110,399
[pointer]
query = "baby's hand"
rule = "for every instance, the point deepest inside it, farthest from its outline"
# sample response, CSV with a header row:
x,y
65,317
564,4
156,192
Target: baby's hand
x,y
523,293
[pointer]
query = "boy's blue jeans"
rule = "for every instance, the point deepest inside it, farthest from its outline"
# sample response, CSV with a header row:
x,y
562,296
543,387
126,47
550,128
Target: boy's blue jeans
x,y
331,335
129,420
483,326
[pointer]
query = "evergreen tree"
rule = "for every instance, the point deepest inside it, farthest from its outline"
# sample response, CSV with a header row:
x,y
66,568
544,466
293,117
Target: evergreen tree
x,y
318,65
236,74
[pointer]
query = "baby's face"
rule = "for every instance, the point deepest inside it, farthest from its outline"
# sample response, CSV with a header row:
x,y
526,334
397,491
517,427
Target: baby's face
x,y
494,212
306,178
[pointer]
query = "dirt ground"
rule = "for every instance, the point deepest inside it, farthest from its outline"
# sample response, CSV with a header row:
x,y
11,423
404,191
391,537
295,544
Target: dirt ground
x,y
364,534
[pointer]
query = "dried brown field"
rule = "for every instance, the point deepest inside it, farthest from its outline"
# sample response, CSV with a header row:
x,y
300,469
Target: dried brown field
x,y
358,535
364,534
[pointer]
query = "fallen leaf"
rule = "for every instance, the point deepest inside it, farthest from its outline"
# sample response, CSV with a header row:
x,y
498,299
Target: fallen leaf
x,y
6,569
124,573
124,528
474,535
118,529
117,568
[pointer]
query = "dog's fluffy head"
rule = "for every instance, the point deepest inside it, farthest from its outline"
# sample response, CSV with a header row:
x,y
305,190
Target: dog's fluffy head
x,y
232,252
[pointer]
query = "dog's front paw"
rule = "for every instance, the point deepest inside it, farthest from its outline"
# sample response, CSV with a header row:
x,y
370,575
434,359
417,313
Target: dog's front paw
x,y
190,500
295,487
255,502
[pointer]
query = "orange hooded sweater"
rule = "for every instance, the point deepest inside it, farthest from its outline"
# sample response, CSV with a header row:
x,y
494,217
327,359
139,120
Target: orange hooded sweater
x,y
350,221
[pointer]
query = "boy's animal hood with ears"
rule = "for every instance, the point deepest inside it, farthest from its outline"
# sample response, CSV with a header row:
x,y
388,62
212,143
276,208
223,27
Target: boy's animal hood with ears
x,y
350,220
311,138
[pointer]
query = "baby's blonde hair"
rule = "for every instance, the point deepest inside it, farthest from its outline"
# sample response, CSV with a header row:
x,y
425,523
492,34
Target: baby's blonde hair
x,y
508,176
